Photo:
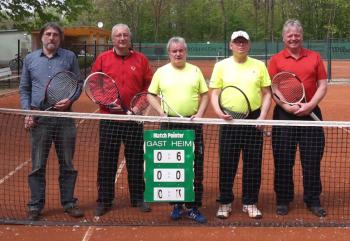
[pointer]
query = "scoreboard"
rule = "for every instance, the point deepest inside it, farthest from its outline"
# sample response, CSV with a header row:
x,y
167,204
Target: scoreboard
x,y
169,158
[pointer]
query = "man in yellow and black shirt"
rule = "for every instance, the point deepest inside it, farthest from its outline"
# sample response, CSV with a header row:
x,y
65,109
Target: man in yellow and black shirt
x,y
183,87
251,76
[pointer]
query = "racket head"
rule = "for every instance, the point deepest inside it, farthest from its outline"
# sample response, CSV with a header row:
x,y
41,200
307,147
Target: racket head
x,y
288,88
63,85
102,89
233,101
140,104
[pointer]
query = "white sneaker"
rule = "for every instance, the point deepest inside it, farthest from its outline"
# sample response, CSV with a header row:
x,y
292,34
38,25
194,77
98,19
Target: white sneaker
x,y
224,211
252,210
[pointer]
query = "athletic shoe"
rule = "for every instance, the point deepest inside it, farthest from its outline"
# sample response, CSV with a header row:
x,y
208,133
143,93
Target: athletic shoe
x,y
195,215
102,209
318,211
252,210
177,212
224,211
74,212
282,209
34,215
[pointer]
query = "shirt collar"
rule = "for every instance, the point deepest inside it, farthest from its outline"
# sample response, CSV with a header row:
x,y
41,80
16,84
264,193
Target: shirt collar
x,y
303,53
58,52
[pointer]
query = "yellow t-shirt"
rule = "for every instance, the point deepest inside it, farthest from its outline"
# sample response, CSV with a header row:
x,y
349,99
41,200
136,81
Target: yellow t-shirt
x,y
249,76
181,88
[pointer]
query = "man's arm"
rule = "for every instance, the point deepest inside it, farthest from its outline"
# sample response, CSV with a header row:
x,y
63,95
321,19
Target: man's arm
x,y
204,100
306,108
215,104
155,104
266,102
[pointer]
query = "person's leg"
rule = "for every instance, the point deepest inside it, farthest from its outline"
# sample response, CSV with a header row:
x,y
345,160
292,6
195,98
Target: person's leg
x,y
312,142
229,151
64,140
133,141
252,159
41,141
193,208
109,145
284,147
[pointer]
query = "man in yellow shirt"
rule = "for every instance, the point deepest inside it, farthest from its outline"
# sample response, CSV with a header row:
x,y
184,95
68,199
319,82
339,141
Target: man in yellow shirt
x,y
251,76
183,87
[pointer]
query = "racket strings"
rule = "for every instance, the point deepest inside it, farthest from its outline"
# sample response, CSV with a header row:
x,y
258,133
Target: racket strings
x,y
140,105
288,88
61,86
234,102
102,90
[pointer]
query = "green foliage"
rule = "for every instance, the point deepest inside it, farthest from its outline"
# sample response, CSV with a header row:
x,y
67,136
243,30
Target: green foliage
x,y
29,14
196,20
89,60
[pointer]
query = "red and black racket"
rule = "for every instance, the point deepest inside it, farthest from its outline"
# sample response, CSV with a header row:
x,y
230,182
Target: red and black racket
x,y
103,90
63,85
233,101
289,89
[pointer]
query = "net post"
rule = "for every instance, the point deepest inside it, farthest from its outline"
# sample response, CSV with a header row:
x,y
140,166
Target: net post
x,y
329,59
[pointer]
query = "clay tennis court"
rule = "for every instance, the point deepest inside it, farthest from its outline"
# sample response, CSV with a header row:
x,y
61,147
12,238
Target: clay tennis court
x,y
333,108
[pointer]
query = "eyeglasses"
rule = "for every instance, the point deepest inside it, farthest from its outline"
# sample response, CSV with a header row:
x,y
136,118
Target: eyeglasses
x,y
240,42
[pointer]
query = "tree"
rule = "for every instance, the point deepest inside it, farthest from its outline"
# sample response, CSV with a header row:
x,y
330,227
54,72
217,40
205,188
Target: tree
x,y
29,14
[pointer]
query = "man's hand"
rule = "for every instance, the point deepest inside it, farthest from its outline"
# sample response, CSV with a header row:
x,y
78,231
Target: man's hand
x,y
63,105
29,122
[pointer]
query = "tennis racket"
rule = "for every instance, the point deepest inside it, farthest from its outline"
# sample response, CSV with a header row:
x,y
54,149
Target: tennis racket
x,y
103,90
140,105
289,89
233,101
62,85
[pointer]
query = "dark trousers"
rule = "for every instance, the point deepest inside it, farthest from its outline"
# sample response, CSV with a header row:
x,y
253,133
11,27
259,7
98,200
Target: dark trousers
x,y
61,132
311,142
232,140
112,134
198,159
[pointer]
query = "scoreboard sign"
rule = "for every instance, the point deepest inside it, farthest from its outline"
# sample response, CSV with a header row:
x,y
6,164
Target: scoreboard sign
x,y
169,157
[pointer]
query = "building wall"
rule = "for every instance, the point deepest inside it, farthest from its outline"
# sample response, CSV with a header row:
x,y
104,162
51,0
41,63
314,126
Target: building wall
x,y
9,45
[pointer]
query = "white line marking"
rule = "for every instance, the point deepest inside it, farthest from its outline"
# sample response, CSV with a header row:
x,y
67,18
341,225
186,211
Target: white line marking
x,y
88,233
10,174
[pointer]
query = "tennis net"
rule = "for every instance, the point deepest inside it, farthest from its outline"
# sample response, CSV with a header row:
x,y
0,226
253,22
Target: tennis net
x,y
15,156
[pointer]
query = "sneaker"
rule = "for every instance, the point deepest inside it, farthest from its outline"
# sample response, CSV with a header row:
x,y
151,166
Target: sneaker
x,y
102,209
195,215
177,212
252,210
224,211
74,212
34,215
318,211
282,209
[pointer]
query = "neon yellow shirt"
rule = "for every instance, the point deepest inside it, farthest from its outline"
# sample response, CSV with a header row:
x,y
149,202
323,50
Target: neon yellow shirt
x,y
249,76
181,88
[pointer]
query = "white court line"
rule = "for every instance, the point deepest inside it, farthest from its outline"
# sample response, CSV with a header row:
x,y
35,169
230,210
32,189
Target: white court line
x,y
10,174
91,229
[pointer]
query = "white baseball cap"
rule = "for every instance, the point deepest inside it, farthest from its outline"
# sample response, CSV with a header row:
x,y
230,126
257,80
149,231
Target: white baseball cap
x,y
239,33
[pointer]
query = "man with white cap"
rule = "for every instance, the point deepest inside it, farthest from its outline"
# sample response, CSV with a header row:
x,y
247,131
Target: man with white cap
x,y
251,76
